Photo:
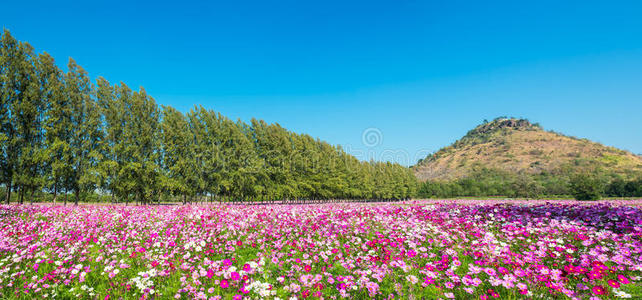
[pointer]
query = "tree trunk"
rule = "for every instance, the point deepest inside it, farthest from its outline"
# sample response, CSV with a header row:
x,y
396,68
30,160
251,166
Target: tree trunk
x,y
9,186
55,193
77,192
33,191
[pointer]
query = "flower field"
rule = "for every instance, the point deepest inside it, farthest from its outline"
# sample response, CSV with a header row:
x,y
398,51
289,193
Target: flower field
x,y
437,249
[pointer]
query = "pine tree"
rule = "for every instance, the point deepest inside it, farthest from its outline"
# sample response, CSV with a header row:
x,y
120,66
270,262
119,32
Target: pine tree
x,y
208,138
198,143
111,121
178,153
9,55
142,151
59,133
86,132
26,121
57,125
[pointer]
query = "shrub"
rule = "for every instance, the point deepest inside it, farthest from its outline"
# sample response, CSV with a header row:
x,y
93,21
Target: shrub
x,y
586,187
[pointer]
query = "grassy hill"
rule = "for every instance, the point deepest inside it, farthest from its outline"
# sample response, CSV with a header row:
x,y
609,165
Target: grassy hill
x,y
516,146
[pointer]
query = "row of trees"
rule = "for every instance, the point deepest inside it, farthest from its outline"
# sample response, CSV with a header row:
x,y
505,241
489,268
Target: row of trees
x,y
592,187
61,134
486,182
623,188
491,182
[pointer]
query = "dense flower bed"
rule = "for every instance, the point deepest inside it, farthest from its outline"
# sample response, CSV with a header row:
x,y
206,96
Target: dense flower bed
x,y
433,249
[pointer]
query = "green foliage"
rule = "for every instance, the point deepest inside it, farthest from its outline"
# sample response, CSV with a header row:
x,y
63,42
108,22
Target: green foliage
x,y
86,132
484,182
487,182
61,135
22,118
624,188
57,126
178,155
586,187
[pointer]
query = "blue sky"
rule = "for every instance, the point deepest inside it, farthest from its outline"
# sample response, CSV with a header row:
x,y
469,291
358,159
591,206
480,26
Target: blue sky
x,y
421,73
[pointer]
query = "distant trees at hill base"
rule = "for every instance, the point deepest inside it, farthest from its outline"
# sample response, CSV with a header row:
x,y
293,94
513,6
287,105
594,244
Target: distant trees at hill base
x,y
486,182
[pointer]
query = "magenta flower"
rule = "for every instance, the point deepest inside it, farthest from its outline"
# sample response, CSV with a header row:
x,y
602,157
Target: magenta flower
x,y
458,252
623,279
235,276
224,284
599,290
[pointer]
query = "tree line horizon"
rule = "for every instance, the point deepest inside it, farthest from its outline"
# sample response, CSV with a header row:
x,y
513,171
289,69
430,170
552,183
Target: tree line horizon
x,y
62,134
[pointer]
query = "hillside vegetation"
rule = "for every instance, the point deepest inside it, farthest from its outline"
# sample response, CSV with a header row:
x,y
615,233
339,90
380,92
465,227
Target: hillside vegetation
x,y
518,146
515,158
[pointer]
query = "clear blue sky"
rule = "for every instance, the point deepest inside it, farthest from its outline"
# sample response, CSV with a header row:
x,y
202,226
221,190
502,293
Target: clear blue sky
x,y
421,72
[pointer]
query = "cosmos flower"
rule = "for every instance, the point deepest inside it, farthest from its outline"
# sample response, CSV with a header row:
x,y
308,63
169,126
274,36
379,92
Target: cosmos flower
x,y
224,284
235,276
623,279
599,290
533,249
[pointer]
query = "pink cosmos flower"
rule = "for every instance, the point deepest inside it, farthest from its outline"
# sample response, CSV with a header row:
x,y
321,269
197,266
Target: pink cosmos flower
x,y
224,284
373,288
490,271
235,276
599,290
623,279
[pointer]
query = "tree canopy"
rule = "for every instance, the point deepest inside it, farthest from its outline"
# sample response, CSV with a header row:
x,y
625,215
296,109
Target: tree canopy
x,y
62,134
